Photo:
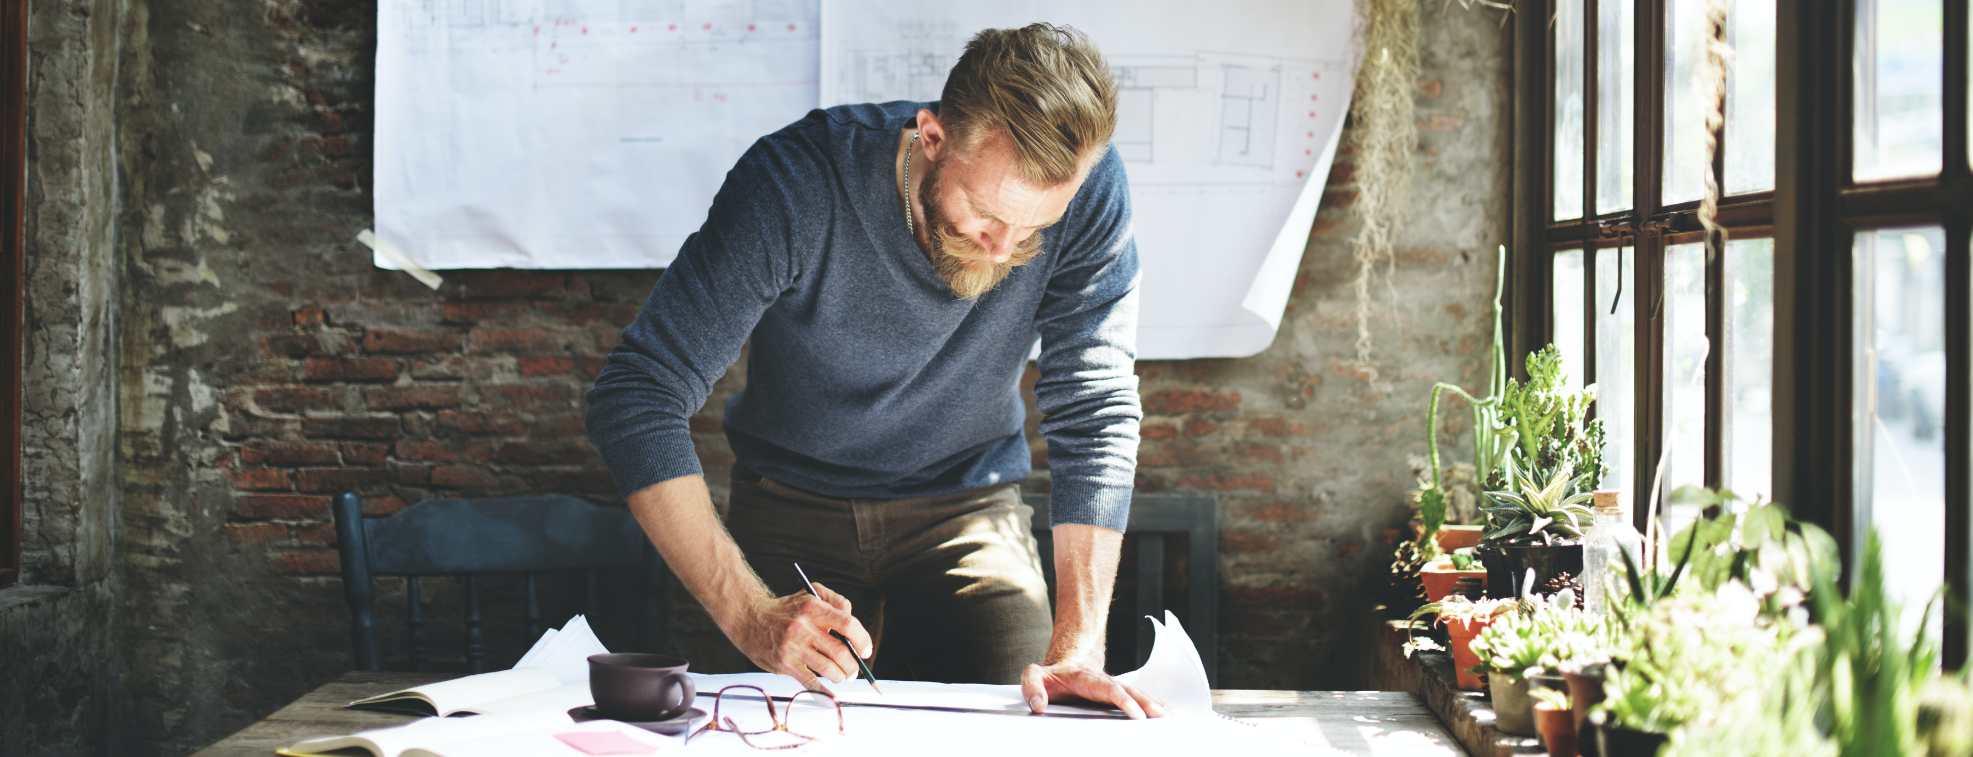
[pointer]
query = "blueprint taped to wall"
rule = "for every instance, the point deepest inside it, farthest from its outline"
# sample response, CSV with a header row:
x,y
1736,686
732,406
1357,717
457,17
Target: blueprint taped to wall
x,y
574,133
1228,118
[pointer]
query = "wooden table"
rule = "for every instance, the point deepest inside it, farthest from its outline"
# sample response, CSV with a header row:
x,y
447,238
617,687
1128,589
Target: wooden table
x,y
1380,723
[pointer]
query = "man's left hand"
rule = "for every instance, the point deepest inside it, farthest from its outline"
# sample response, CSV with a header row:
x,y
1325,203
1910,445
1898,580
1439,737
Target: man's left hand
x,y
1041,684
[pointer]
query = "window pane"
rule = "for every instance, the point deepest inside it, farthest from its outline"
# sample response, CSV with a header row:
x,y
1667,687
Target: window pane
x,y
1685,365
1750,367
1901,476
1616,353
1616,122
1750,98
1567,319
1685,154
1900,86
1569,146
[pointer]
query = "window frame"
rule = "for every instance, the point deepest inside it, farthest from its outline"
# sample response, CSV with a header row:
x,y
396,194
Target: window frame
x,y
13,267
1812,214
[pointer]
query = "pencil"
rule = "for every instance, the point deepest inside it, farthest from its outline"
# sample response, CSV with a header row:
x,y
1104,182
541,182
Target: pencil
x,y
860,664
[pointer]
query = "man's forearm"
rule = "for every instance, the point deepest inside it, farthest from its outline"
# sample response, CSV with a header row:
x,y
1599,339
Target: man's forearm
x,y
1085,573
679,519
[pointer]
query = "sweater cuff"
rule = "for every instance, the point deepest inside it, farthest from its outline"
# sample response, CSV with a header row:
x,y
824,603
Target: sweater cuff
x,y
1089,504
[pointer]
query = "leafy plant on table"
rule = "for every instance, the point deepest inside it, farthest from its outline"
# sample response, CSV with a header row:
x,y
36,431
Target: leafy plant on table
x,y
1433,497
1550,452
1687,657
1543,511
1541,637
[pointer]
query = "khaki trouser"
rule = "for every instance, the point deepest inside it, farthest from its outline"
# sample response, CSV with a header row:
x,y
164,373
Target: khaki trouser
x,y
950,588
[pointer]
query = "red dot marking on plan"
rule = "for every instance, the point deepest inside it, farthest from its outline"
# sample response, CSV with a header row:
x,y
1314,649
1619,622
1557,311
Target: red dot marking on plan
x,y
708,27
1298,174
1311,97
1308,152
633,30
791,27
674,27
750,27
585,30
1311,114
1311,134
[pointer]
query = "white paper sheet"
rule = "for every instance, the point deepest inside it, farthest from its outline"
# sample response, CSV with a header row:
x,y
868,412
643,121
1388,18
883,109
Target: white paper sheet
x,y
573,133
1228,118
565,653
1173,673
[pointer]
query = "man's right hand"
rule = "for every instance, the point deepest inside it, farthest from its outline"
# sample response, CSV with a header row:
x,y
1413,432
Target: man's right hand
x,y
790,635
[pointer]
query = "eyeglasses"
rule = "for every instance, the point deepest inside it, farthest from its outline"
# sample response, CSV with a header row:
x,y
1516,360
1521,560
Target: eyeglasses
x,y
776,731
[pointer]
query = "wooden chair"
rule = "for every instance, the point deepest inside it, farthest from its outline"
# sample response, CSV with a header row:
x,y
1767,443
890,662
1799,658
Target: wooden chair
x,y
474,537
1151,517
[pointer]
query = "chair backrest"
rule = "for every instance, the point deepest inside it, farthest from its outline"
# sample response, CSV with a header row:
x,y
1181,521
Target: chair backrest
x,y
474,537
1151,517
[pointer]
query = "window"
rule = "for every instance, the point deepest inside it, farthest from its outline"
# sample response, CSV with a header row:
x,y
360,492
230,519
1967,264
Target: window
x,y
1818,354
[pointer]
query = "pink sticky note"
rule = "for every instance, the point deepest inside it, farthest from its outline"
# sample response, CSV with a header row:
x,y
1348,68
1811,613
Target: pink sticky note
x,y
605,742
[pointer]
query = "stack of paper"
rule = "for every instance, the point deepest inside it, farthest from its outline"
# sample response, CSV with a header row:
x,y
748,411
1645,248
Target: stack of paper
x,y
553,675
565,653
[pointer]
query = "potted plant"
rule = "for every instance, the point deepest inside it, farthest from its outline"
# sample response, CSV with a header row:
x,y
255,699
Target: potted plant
x,y
1555,721
1551,459
1441,576
1463,619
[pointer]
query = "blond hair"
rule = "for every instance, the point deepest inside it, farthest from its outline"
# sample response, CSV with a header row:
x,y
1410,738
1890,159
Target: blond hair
x,y
1045,85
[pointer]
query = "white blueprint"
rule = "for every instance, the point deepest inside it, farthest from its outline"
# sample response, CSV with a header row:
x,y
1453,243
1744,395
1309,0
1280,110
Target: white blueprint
x,y
574,133
1229,115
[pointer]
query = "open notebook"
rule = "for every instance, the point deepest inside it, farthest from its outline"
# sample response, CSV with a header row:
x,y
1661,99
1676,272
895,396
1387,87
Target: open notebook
x,y
554,673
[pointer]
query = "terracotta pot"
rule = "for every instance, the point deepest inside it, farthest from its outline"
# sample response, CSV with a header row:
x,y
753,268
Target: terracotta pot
x,y
1459,537
1585,690
1441,577
1461,634
1513,709
1557,729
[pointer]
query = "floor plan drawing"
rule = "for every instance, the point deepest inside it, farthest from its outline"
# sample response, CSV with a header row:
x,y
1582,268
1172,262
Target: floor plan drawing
x,y
1249,104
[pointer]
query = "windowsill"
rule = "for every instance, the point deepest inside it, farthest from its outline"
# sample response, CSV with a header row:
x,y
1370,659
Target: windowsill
x,y
1468,715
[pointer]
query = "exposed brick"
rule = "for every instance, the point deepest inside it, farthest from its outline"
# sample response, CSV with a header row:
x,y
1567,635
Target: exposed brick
x,y
546,366
522,395
414,475
1178,401
499,284
256,534
289,453
1158,432
412,397
339,479
510,340
282,506
474,312
398,341
294,399
351,369
1280,512
590,366
379,505
317,535
1227,481
454,477
366,454
1271,597
310,316
1248,542
305,563
1430,89
350,428
263,479
540,454
1276,426
1340,173
1337,199
289,345
1259,453
1199,427
421,450
1184,456
481,424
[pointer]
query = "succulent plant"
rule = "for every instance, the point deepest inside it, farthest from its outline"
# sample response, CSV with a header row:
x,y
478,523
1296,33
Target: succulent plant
x,y
1539,512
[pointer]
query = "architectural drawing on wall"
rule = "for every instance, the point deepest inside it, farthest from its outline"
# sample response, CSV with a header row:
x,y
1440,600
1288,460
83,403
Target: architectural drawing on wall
x,y
913,68
1137,98
1250,104
574,133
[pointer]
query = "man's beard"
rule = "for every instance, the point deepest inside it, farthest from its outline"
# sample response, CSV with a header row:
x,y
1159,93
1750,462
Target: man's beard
x,y
960,261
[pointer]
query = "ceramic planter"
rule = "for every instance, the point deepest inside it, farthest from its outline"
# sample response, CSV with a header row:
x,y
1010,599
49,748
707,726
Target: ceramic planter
x,y
1613,741
1440,579
1460,633
1557,729
1513,709
1585,690
1510,566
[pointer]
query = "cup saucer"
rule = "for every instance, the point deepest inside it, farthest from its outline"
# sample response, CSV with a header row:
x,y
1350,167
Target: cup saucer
x,y
676,726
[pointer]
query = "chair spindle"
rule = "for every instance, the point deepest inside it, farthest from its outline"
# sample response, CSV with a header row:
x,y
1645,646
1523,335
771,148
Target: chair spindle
x,y
475,636
1150,589
533,610
414,614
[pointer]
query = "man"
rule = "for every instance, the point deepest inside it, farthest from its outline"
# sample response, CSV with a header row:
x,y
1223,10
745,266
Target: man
x,y
893,265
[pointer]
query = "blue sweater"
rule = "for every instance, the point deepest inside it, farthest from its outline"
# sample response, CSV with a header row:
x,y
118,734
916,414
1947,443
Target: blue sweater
x,y
868,377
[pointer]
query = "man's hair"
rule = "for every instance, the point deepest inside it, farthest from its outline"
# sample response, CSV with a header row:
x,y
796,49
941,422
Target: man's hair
x,y
1046,85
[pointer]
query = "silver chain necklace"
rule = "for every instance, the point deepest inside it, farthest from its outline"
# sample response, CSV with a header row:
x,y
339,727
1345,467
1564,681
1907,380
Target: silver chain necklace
x,y
908,226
